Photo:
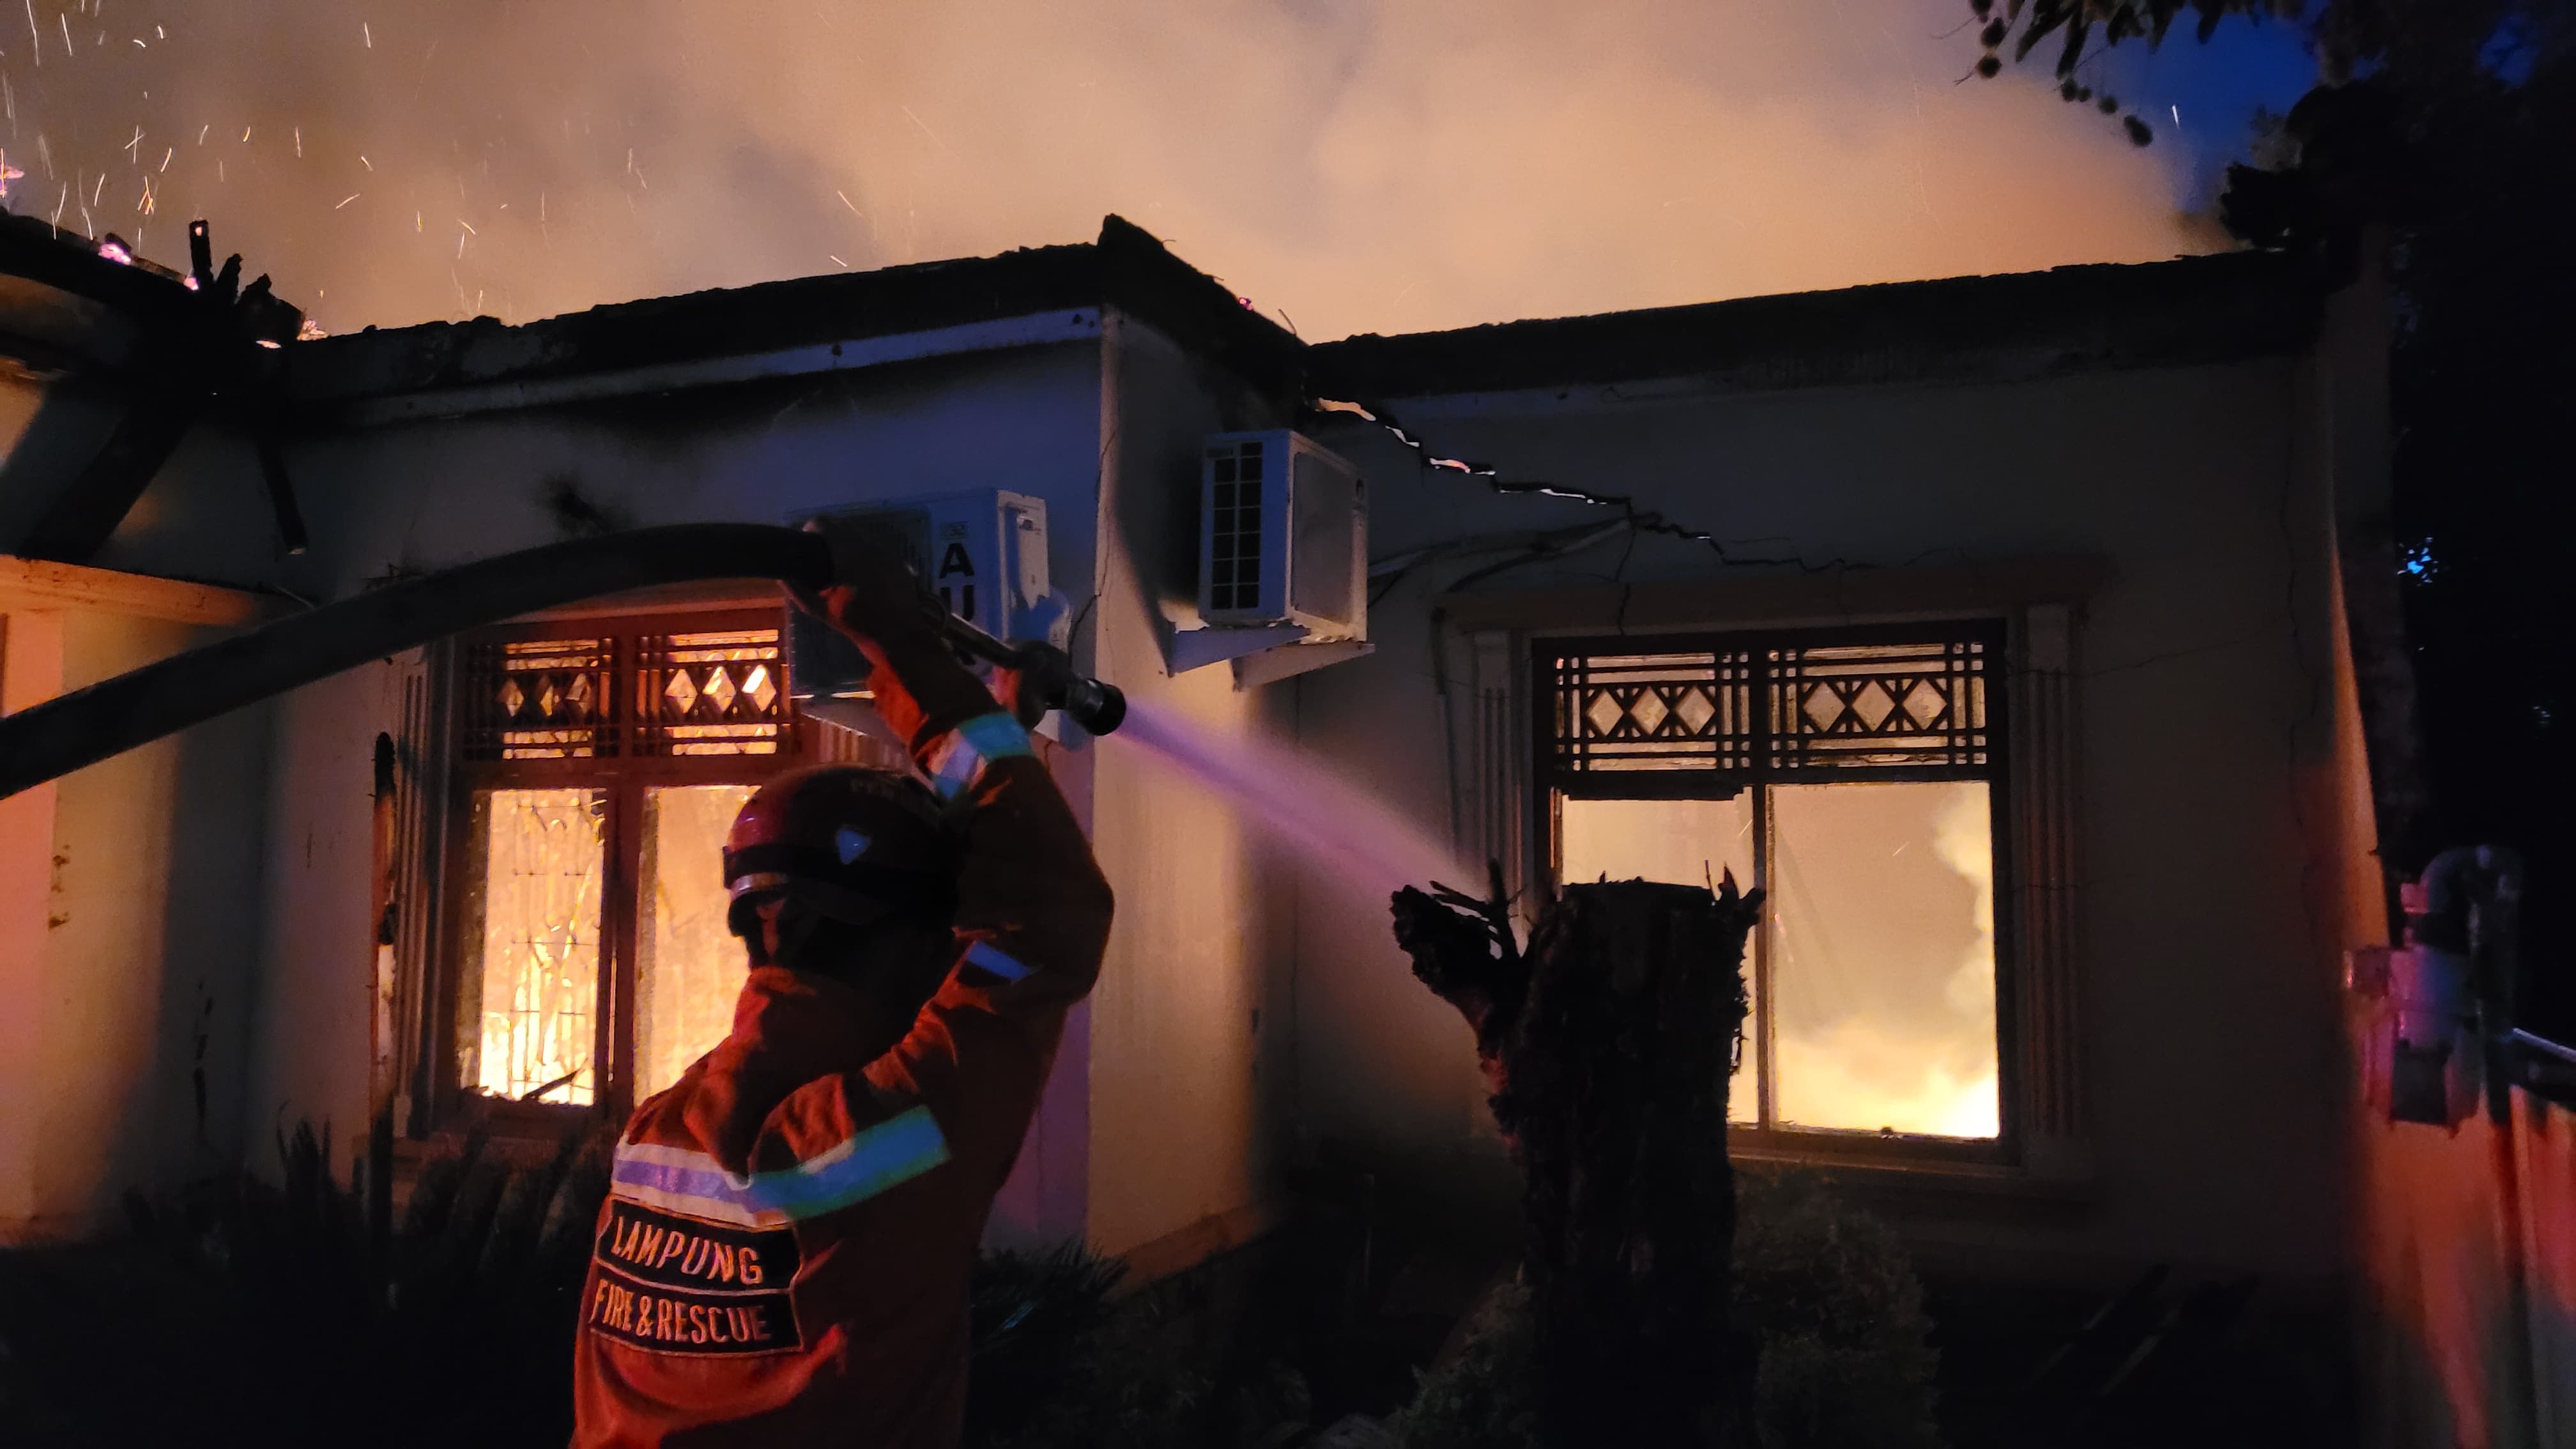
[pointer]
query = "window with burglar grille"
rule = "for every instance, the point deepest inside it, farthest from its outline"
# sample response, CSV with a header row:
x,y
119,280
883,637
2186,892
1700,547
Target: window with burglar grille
x,y
1853,774
597,766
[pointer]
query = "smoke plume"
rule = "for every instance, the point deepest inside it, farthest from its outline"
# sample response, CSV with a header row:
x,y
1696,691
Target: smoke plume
x,y
1348,166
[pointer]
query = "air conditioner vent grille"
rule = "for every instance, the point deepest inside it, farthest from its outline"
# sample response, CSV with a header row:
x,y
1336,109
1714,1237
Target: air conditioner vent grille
x,y
1234,542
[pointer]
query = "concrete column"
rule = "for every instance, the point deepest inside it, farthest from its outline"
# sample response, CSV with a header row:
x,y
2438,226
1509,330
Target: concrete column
x,y
31,671
129,913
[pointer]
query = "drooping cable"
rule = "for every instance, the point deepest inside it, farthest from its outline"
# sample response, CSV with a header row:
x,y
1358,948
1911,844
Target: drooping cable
x,y
1642,520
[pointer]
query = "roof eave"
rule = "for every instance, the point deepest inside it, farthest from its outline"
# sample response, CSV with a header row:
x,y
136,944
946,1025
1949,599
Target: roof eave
x,y
714,335
2009,327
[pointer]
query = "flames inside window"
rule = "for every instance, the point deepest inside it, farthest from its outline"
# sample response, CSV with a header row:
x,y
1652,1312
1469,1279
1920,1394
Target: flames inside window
x,y
1851,775
601,765
538,862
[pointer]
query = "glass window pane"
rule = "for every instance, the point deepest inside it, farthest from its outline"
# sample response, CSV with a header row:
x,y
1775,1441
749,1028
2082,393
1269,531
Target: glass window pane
x,y
533,900
688,967
1883,972
1684,842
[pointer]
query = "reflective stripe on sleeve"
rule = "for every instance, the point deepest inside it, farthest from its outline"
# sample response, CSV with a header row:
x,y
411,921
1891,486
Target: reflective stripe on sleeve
x,y
957,760
986,955
855,1169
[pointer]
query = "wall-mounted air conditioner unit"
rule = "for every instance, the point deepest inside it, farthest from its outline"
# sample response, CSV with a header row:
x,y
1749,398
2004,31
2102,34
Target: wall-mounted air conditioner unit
x,y
1283,555
1283,536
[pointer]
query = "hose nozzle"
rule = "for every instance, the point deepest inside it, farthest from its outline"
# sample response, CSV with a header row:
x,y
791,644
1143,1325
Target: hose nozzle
x,y
1048,679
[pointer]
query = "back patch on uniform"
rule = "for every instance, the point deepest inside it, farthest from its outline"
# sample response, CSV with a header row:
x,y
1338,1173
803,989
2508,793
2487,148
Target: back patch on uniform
x,y
672,1284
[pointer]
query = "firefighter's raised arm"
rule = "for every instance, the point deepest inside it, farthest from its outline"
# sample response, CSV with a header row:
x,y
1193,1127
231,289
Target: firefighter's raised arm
x,y
1032,908
914,952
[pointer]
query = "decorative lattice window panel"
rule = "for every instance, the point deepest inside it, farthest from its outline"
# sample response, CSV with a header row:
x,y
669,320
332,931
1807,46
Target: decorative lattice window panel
x,y
1721,712
635,691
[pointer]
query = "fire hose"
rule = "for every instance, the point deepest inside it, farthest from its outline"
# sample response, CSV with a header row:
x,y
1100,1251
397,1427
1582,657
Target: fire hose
x,y
115,715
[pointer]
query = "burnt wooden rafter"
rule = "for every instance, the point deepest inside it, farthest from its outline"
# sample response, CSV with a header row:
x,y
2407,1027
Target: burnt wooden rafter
x,y
200,348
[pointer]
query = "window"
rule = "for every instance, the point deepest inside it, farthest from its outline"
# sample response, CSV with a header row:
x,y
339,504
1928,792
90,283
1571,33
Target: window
x,y
596,765
1855,774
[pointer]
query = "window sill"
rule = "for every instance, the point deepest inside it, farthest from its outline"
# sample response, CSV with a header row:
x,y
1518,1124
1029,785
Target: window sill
x,y
518,1149
414,1155
519,1134
1909,1186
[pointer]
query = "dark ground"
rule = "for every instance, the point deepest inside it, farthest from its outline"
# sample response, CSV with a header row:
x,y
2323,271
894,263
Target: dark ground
x,y
2017,1367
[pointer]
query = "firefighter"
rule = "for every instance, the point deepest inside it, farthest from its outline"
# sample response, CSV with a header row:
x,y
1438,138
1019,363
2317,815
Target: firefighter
x,y
784,1255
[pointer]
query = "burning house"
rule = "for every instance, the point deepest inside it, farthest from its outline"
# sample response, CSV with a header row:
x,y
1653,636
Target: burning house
x,y
2004,628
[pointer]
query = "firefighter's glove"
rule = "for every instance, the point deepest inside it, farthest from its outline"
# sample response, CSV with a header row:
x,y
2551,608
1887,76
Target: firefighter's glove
x,y
874,596
877,600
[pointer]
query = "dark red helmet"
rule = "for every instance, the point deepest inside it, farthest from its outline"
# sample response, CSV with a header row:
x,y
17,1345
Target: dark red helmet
x,y
857,844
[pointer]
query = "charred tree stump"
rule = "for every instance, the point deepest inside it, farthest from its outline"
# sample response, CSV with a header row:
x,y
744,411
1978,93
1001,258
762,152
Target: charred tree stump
x,y
1608,1047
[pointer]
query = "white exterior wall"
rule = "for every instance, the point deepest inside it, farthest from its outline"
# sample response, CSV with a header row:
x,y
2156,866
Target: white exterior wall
x,y
129,924
2205,804
1171,1089
1188,1053
426,495
128,928
1242,1004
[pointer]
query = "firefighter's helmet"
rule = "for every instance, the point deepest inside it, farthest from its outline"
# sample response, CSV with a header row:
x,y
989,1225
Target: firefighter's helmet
x,y
858,845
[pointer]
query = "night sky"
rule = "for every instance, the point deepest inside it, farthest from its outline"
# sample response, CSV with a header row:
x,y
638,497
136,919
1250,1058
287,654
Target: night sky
x,y
2214,90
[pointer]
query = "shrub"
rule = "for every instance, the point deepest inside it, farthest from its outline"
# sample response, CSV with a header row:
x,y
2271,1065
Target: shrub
x,y
1824,1289
1057,1365
244,1303
1482,1398
1829,1294
1034,1316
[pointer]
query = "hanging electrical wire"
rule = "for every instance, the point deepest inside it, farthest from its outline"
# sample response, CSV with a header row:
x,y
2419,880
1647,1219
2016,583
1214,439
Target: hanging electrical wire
x,y
1387,573
1641,520
1631,517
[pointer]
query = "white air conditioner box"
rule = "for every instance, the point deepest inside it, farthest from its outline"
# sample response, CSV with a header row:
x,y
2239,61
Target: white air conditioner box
x,y
1283,538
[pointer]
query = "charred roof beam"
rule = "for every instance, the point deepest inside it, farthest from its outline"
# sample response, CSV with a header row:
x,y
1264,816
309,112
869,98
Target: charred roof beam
x,y
206,342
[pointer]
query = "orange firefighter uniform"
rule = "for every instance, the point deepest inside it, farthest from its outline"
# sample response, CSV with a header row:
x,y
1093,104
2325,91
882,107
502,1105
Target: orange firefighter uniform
x,y
784,1256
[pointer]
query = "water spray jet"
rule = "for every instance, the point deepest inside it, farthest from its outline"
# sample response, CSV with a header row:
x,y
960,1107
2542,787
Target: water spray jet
x,y
1358,840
